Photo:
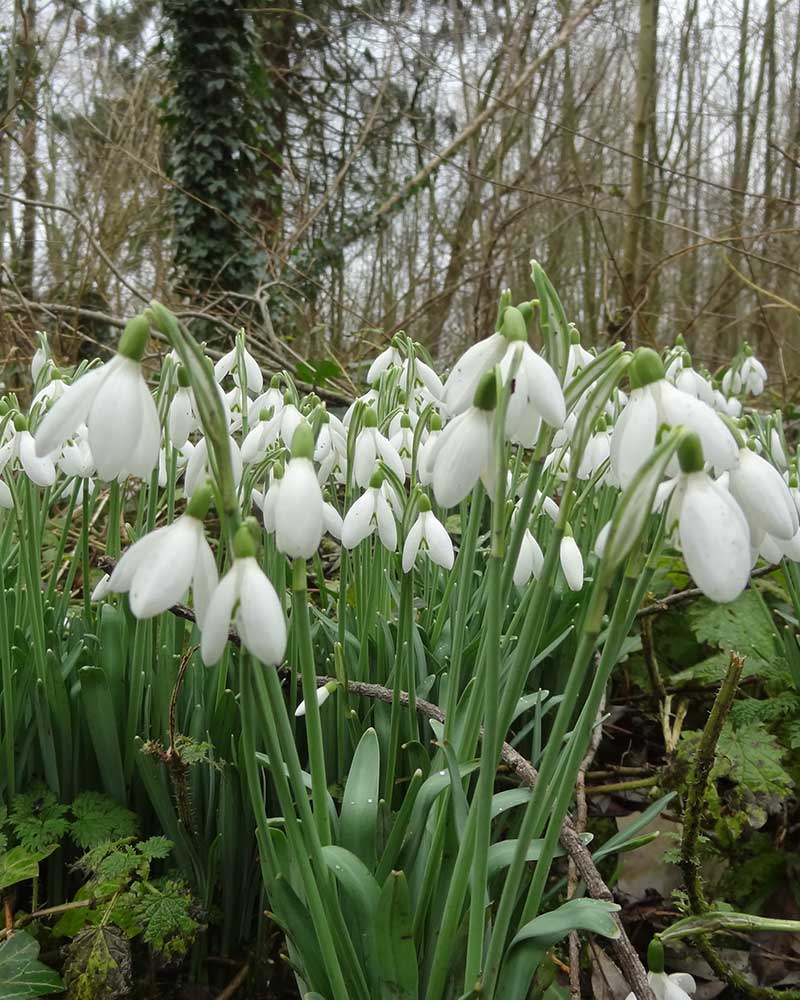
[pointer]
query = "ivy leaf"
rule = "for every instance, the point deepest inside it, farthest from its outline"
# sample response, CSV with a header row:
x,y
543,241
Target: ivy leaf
x,y
38,819
22,975
317,371
98,818
20,864
98,965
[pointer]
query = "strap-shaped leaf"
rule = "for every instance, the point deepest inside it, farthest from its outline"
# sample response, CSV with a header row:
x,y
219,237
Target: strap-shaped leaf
x,y
359,821
394,940
102,725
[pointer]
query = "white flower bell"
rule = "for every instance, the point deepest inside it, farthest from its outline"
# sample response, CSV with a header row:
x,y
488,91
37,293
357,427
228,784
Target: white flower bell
x,y
428,532
227,364
672,986
713,533
571,562
462,453
764,497
372,445
369,512
158,570
116,405
246,597
299,509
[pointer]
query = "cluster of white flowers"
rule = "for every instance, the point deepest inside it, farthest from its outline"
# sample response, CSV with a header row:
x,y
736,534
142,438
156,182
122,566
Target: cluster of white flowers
x,y
412,447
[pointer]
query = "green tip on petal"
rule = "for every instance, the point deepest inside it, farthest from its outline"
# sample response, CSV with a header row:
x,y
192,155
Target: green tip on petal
x,y
370,418
514,326
376,480
405,421
200,502
423,503
277,470
244,544
183,377
690,454
133,342
655,956
303,441
20,422
486,394
266,413
402,397
647,366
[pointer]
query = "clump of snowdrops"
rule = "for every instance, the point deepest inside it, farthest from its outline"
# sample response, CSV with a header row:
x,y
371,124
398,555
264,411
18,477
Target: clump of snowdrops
x,y
480,541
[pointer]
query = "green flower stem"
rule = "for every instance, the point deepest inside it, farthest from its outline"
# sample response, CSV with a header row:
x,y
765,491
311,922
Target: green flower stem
x,y
402,656
9,705
305,653
274,721
62,540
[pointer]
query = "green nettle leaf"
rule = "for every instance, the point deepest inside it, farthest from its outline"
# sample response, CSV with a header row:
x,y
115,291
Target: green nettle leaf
x,y
155,848
20,864
38,819
22,975
752,757
744,626
98,965
99,818
161,911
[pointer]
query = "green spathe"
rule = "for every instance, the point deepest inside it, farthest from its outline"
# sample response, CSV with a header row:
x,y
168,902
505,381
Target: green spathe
x,y
133,342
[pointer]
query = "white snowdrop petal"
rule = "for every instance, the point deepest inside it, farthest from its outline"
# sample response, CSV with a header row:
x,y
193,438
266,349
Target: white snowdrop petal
x,y
132,558
259,619
204,580
6,499
544,389
412,544
218,617
387,528
365,456
714,539
462,456
390,456
763,495
571,562
71,410
113,420
358,521
163,579
634,436
459,389
39,469
676,407
440,545
332,520
298,512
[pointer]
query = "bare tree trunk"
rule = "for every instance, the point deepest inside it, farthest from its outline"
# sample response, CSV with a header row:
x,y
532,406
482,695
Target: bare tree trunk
x,y
30,186
645,106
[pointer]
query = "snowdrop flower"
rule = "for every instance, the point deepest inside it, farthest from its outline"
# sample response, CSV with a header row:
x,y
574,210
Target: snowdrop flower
x,y
369,512
263,433
462,383
463,452
427,451
246,597
182,418
571,562
653,402
602,538
675,986
529,561
713,533
577,358
227,364
269,503
158,570
271,397
595,454
299,509
403,442
49,393
40,469
753,375
76,456
693,384
763,496
331,520
197,468
102,589
776,449
40,356
372,445
389,358
428,377
6,499
428,532
323,693
116,405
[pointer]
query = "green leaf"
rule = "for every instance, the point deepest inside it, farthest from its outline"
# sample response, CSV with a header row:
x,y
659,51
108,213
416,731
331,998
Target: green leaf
x,y
502,854
99,818
38,819
102,725
22,975
743,626
161,911
752,757
622,837
397,956
98,965
534,939
360,803
20,864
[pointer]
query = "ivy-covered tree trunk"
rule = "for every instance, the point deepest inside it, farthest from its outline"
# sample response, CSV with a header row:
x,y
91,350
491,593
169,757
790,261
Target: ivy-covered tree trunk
x,y
215,156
